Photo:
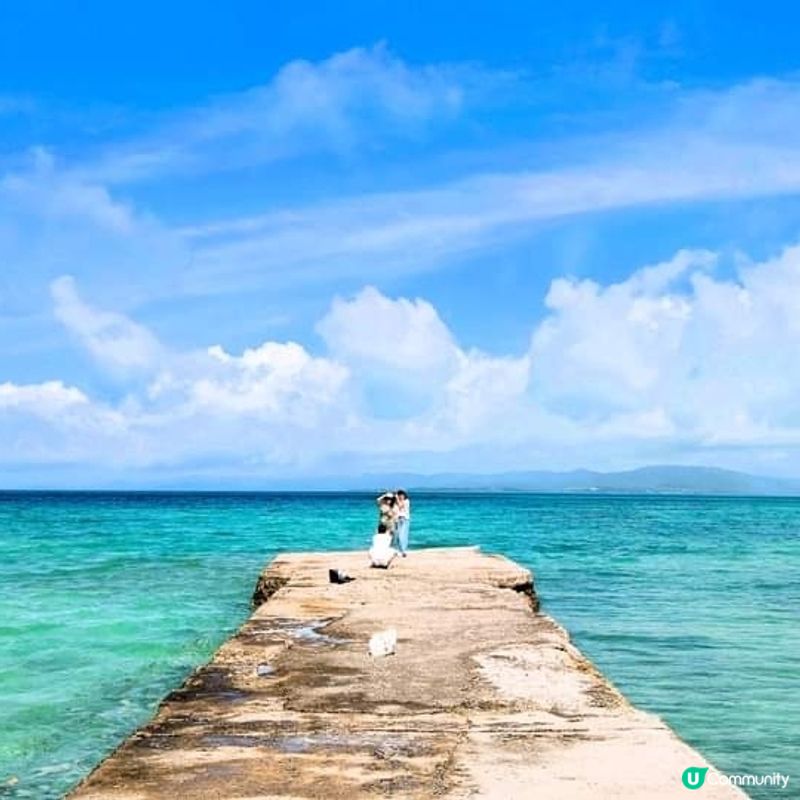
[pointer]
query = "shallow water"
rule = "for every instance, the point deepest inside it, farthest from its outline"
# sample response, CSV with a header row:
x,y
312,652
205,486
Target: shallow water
x,y
108,600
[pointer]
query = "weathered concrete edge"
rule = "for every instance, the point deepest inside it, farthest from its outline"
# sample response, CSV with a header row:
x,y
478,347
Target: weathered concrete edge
x,y
273,577
277,575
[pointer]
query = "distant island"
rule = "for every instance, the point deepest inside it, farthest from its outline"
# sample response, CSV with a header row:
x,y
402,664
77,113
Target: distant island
x,y
645,480
656,480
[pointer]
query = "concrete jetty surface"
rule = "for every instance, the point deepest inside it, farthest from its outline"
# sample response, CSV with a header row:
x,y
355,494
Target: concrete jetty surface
x,y
484,698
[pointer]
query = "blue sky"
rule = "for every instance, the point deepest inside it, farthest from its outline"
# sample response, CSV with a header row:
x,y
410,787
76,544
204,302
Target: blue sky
x,y
262,240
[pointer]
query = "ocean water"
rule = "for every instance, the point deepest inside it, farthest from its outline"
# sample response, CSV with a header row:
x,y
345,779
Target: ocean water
x,y
689,604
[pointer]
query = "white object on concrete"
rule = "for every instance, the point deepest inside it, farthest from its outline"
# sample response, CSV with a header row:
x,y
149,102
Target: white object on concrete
x,y
383,643
381,553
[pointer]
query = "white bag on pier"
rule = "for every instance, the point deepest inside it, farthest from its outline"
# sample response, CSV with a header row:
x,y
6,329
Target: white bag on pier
x,y
383,643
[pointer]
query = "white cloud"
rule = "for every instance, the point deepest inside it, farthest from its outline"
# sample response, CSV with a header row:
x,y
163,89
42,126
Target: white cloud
x,y
404,336
708,147
277,403
265,405
53,423
277,382
47,399
483,401
409,371
334,104
54,222
603,348
710,361
675,356
672,359
111,338
361,79
61,219
47,192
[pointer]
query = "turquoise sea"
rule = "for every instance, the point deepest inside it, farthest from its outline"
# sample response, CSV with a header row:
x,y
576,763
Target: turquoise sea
x,y
107,600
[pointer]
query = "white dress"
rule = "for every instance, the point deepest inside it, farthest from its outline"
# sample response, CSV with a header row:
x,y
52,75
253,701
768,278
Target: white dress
x,y
381,553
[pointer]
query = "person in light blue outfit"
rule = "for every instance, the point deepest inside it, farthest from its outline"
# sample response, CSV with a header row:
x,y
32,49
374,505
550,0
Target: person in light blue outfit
x,y
403,524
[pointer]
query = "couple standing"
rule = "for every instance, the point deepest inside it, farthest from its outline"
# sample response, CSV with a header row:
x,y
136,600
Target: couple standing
x,y
393,528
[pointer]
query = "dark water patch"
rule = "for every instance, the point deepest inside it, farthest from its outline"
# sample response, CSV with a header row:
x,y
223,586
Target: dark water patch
x,y
210,682
303,631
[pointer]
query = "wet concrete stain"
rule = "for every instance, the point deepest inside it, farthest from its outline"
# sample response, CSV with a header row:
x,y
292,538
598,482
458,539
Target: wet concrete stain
x,y
293,705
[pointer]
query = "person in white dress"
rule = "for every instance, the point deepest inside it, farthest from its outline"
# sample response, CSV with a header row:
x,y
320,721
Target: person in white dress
x,y
381,553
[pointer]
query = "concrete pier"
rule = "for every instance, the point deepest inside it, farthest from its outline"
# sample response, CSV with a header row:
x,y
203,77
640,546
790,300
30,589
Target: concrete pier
x,y
484,698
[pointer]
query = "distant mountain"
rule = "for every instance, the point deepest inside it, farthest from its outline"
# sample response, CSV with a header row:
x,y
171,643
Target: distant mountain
x,y
646,480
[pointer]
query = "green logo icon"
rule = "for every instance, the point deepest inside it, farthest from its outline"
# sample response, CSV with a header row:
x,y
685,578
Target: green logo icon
x,y
693,777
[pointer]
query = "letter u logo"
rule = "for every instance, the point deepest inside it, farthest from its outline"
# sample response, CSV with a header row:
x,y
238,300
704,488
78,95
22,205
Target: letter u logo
x,y
694,777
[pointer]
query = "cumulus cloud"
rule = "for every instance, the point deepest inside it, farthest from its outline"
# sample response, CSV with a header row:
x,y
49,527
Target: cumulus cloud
x,y
54,423
267,404
278,402
404,336
677,357
48,399
276,382
407,364
603,349
690,355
